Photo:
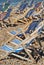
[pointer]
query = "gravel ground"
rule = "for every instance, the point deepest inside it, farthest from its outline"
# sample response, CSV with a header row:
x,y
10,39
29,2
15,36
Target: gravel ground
x,y
15,61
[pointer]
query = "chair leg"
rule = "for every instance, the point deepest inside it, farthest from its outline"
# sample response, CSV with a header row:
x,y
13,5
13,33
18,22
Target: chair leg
x,y
30,56
18,56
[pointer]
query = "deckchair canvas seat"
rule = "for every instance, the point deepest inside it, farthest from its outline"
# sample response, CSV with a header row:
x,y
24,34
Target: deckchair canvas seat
x,y
13,32
6,48
16,41
9,49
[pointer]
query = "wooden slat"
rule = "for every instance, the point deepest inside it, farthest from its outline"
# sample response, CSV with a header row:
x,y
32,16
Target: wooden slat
x,y
23,58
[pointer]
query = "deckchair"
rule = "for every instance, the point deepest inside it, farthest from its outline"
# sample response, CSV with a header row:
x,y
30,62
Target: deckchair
x,y
21,34
22,44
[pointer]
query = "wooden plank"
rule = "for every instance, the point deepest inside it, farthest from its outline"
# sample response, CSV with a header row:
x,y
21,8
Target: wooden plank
x,y
23,58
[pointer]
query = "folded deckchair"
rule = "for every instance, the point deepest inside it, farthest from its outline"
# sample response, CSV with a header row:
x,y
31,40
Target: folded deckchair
x,y
21,44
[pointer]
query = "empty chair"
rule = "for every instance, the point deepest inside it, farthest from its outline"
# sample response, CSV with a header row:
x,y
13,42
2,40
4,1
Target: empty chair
x,y
21,45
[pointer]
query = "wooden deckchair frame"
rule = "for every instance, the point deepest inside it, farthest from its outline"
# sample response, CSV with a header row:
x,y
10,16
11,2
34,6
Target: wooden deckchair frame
x,y
33,35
